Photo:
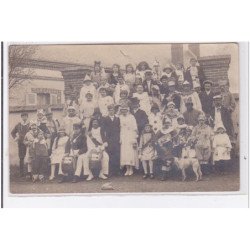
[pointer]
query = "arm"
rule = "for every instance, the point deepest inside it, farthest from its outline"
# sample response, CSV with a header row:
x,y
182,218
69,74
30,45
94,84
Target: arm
x,y
14,132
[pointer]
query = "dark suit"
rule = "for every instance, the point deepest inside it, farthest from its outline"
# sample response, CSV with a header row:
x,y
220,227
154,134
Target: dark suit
x,y
201,76
207,102
146,88
141,119
79,143
111,129
226,119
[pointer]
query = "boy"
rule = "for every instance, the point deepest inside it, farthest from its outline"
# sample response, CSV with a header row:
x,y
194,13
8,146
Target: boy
x,y
18,133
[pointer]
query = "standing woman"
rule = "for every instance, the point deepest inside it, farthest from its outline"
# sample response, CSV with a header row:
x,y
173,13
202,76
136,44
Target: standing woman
x,y
141,69
128,140
96,73
115,74
129,76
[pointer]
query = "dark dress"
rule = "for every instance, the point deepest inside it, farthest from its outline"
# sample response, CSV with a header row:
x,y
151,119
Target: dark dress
x,y
141,120
149,89
111,129
207,102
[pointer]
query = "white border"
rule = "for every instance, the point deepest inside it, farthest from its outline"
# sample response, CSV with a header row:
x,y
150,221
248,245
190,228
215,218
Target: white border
x,y
180,199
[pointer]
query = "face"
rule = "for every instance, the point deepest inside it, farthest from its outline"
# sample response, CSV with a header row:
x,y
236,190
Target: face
x,y
124,112
139,89
135,105
178,66
189,132
193,63
147,129
123,95
103,93
197,89
111,112
223,88
24,118
166,125
164,81
89,98
171,107
95,124
77,130
207,87
167,70
120,80
115,68
33,127
71,112
39,116
148,76
97,68
180,121
186,87
129,69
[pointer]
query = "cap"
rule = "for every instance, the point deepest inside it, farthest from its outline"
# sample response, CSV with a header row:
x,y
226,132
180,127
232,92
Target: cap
x,y
216,97
33,122
208,82
154,86
180,117
124,107
71,108
170,103
77,125
171,83
88,94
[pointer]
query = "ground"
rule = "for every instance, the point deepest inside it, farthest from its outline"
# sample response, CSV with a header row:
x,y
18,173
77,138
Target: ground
x,y
214,182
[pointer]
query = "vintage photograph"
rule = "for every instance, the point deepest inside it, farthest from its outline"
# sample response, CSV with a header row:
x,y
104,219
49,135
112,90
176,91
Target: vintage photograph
x,y
123,118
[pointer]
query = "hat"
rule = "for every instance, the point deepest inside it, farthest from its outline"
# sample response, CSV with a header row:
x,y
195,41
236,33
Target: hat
x,y
123,91
24,113
155,106
168,66
48,111
71,107
208,82
201,117
180,117
124,107
164,77
186,83
88,93
170,103
218,96
40,111
87,78
189,101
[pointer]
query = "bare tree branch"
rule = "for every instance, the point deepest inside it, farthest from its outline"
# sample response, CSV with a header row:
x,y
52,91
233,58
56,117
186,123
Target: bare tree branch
x,y
18,56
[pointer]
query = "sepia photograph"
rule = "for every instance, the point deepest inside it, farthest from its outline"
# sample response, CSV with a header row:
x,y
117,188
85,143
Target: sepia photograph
x,y
123,118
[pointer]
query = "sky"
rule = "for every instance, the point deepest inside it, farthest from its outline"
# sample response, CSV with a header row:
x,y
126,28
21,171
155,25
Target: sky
x,y
134,53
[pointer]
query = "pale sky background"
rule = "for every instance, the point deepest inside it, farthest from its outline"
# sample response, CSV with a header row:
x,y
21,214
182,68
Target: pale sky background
x,y
109,54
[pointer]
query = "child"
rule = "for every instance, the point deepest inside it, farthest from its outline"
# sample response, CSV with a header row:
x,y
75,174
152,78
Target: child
x,y
87,109
143,97
141,69
129,76
104,84
169,72
104,101
18,133
124,98
180,73
116,73
147,152
96,74
221,147
155,119
60,148
121,85
88,87
40,160
171,113
156,96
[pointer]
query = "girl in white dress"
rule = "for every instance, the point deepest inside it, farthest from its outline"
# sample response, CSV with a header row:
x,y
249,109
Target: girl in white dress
x,y
221,148
104,101
147,151
60,148
128,139
129,76
121,85
143,97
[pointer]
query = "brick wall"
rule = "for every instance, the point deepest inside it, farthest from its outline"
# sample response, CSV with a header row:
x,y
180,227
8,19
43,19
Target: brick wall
x,y
215,67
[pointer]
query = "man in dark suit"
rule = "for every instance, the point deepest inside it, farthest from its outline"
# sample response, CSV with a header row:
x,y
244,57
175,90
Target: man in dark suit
x,y
140,115
111,127
206,98
195,73
148,82
220,114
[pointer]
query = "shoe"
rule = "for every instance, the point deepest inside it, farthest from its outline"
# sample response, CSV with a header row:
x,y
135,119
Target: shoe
x,y
102,176
75,179
61,179
127,172
131,171
151,176
145,176
51,178
90,177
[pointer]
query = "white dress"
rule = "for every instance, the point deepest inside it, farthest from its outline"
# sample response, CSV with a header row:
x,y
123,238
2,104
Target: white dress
x,y
195,99
144,101
87,89
221,144
128,139
118,89
58,153
68,122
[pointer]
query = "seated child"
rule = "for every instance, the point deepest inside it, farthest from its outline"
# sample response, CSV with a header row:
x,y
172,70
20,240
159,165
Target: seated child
x,y
147,153
221,147
40,161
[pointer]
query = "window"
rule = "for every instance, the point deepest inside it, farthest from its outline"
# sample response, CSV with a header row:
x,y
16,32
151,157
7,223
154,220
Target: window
x,y
31,99
43,99
53,99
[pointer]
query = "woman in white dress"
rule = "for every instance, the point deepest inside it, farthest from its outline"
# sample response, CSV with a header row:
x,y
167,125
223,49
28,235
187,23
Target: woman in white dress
x,y
128,139
60,148
129,76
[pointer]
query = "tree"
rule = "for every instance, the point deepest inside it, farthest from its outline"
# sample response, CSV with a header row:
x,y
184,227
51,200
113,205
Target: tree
x,y
19,56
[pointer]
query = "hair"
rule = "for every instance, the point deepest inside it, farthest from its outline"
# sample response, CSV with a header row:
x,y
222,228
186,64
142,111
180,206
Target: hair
x,y
129,65
140,65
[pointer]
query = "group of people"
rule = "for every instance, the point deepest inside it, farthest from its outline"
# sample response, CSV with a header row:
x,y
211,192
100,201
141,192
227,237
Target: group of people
x,y
121,121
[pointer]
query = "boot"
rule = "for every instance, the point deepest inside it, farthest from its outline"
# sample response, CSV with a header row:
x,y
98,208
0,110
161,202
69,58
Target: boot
x,y
75,179
164,175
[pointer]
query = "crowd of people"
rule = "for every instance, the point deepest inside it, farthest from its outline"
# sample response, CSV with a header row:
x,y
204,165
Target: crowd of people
x,y
143,117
